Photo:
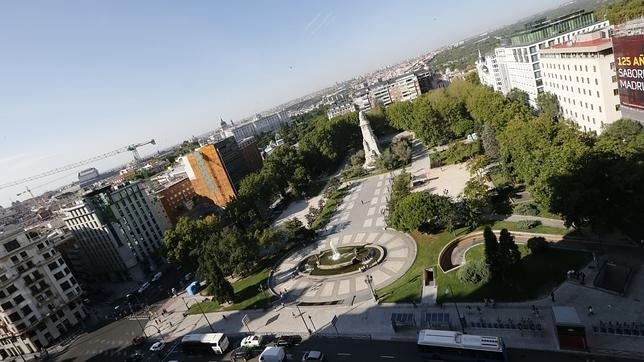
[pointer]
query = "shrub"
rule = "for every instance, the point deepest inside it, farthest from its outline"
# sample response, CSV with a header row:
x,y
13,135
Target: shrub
x,y
526,209
528,224
537,244
474,272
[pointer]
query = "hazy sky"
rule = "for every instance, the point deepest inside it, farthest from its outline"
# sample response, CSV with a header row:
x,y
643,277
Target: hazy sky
x,y
80,78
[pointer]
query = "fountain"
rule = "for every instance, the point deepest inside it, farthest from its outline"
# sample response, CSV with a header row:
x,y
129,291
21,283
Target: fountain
x,y
342,260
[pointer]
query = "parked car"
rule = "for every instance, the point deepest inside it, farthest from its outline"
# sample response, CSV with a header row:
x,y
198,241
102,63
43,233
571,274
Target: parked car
x,y
288,341
134,357
157,346
137,341
272,354
143,287
157,276
313,356
241,354
252,342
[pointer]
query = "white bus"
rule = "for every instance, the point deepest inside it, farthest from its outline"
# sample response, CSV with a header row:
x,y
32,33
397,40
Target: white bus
x,y
207,343
456,346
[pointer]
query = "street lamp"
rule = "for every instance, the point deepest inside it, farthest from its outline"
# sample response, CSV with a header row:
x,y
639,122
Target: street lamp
x,y
202,313
311,319
369,280
460,320
303,321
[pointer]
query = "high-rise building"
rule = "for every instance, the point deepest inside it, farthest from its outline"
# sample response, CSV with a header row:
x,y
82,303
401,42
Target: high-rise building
x,y
491,73
215,170
402,88
255,126
581,73
87,177
39,297
518,61
628,40
119,230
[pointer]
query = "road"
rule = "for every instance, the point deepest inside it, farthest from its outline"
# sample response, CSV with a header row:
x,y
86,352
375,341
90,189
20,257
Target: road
x,y
353,350
110,339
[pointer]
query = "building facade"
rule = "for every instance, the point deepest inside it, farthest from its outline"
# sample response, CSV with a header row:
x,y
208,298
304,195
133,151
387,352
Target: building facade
x,y
628,48
215,170
39,297
581,73
403,88
87,177
255,126
339,109
119,230
491,73
176,198
518,62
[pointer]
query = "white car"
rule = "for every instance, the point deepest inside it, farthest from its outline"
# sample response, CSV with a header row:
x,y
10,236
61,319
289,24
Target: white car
x,y
157,276
157,346
251,342
145,286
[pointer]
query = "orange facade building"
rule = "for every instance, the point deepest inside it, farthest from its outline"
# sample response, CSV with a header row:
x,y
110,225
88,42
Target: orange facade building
x,y
216,169
176,198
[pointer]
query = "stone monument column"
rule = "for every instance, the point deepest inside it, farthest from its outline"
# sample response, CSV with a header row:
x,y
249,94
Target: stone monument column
x,y
369,143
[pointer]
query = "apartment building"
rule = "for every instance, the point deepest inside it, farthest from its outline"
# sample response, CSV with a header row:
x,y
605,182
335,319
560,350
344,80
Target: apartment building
x,y
403,88
255,126
176,197
39,297
339,109
518,62
581,73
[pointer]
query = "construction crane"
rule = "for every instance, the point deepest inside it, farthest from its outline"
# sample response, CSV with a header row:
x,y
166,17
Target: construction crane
x,y
131,148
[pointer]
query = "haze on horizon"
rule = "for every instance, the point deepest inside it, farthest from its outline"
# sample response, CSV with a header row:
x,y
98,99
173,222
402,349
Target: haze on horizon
x,y
83,78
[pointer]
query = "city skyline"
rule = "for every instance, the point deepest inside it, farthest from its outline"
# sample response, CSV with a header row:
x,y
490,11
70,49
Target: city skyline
x,y
78,85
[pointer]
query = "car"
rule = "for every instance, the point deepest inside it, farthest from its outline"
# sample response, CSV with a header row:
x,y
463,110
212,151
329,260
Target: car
x,y
288,341
313,356
241,354
157,346
143,287
134,357
137,341
252,342
157,276
187,277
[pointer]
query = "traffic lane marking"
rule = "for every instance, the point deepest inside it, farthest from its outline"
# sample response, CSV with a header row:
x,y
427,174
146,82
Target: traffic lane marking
x,y
389,357
344,354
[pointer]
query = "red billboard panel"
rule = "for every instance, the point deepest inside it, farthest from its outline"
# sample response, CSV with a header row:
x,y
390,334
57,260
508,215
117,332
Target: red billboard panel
x,y
629,62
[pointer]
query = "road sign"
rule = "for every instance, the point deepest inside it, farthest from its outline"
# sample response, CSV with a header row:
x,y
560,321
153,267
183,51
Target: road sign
x,y
334,320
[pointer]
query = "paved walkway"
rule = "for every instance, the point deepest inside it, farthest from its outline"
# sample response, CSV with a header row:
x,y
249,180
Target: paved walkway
x,y
360,219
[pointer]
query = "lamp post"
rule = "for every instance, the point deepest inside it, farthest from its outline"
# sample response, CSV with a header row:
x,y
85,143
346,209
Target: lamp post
x,y
313,325
458,313
303,321
202,313
369,280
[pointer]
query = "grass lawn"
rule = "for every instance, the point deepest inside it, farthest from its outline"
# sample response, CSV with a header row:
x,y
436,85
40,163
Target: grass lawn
x,y
329,209
407,288
538,275
247,294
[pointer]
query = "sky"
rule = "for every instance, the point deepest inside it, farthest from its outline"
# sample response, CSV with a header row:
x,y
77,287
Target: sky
x,y
82,78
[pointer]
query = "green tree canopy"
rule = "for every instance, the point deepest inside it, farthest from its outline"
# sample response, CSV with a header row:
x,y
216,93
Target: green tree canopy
x,y
422,209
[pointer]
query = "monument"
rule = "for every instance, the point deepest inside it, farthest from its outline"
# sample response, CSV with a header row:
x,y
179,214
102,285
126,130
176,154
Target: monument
x,y
369,143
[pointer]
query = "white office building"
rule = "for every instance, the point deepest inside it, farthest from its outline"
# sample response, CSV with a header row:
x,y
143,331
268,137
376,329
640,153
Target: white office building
x,y
119,230
581,73
254,127
518,62
39,297
491,73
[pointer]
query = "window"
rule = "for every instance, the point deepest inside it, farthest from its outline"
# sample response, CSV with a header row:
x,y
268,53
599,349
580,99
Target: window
x,y
52,266
41,246
15,259
23,254
612,65
575,67
15,316
600,109
614,79
586,67
65,285
6,305
19,299
595,70
11,289
615,92
596,81
26,310
11,246
617,107
59,275
597,94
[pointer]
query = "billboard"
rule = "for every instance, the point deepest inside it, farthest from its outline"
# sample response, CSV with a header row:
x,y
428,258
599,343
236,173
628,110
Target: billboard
x,y
629,63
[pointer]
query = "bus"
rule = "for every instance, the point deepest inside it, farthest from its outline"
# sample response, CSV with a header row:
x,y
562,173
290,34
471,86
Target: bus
x,y
207,343
455,346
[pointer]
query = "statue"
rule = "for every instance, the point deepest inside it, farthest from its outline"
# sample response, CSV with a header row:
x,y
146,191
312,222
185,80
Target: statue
x,y
369,143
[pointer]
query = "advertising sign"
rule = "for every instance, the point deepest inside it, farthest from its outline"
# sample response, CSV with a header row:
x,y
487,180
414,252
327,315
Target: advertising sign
x,y
629,63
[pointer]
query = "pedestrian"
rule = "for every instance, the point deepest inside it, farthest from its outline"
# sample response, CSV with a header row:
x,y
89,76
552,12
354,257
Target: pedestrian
x,y
493,303
583,277
552,296
223,316
590,310
478,309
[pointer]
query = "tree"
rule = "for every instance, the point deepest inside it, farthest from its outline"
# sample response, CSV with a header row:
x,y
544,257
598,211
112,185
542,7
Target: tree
x,y
477,164
509,255
400,116
181,244
618,12
398,154
209,269
537,244
490,144
472,77
258,186
519,96
548,105
422,209
428,124
476,200
491,252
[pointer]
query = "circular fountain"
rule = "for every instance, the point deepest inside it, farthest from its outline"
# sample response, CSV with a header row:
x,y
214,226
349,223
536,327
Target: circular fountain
x,y
342,260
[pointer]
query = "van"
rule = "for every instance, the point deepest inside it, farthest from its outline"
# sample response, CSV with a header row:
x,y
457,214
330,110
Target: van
x,y
272,354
